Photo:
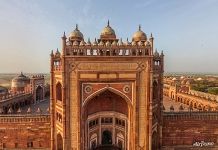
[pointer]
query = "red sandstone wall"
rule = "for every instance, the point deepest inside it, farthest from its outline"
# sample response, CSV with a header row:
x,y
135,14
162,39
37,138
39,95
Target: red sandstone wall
x,y
186,129
21,130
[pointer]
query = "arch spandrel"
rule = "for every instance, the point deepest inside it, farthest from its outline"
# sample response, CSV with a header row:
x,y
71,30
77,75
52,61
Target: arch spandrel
x,y
115,91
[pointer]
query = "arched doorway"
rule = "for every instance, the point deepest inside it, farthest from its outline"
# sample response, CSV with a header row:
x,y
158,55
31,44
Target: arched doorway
x,y
59,142
39,93
59,91
106,138
106,114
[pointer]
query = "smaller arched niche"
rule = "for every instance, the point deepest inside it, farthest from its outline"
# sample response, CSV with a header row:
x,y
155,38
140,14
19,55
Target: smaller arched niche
x,y
59,142
93,141
155,90
39,93
59,91
120,140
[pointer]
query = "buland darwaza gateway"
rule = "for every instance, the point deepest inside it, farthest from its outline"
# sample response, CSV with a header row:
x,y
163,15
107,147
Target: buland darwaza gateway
x,y
106,94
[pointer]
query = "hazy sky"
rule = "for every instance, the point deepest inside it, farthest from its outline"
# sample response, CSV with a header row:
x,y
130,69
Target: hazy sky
x,y
186,30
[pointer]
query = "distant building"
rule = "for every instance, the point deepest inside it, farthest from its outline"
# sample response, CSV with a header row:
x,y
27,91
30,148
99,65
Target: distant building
x,y
24,91
20,83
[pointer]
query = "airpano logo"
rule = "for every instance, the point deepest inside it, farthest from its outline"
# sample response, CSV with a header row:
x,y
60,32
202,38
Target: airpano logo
x,y
203,144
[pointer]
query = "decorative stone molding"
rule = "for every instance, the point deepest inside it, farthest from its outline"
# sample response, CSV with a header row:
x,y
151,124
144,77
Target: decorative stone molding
x,y
88,89
126,88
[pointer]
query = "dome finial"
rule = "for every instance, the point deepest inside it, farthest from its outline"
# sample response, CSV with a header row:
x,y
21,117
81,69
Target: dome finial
x,y
76,26
139,27
162,53
108,23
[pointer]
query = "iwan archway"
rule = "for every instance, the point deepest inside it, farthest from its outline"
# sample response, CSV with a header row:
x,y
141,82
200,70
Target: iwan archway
x,y
106,117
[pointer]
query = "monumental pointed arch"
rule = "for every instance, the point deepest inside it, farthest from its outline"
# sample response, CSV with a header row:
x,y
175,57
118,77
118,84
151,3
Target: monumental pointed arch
x,y
110,90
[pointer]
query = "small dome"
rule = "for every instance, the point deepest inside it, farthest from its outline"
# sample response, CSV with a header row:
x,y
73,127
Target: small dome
x,y
174,79
76,35
20,81
139,36
108,33
182,77
199,79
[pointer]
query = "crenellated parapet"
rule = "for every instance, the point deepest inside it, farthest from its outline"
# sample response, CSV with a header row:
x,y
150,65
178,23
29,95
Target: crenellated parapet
x,y
107,44
24,118
38,76
191,115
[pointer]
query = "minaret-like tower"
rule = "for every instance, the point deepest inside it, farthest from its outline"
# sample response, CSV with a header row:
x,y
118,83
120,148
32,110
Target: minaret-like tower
x,y
106,94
